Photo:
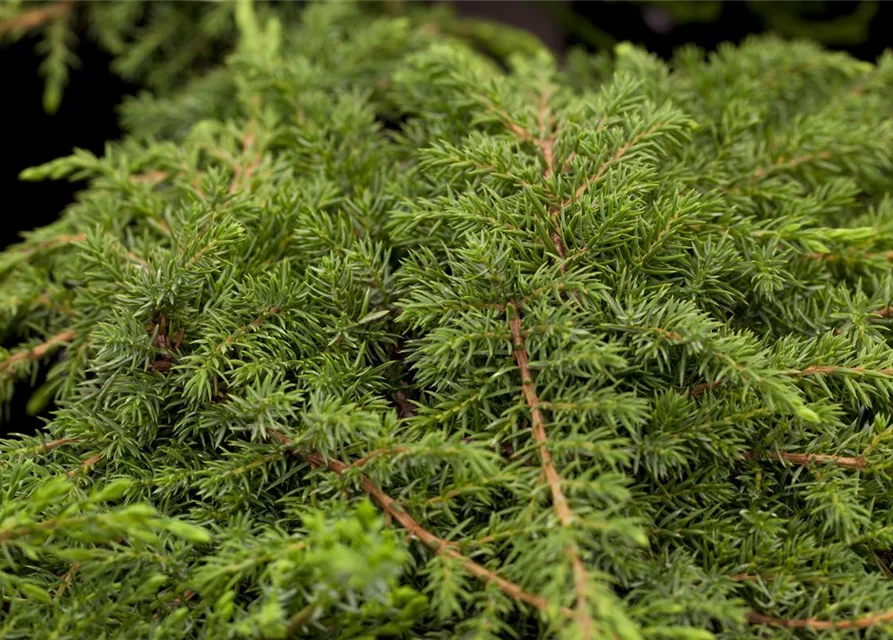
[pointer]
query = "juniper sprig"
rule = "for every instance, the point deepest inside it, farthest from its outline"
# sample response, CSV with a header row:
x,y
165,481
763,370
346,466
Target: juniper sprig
x,y
363,333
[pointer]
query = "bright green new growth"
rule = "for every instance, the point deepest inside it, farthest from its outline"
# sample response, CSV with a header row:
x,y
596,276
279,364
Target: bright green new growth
x,y
399,343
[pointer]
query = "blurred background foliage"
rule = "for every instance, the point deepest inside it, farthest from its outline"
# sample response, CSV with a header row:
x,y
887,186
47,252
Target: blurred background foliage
x,y
66,65
832,23
156,44
859,26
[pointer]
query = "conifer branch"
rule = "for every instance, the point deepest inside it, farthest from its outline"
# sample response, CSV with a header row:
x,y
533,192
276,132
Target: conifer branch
x,y
149,177
48,302
781,163
39,351
817,370
34,527
242,173
61,442
746,577
41,448
35,18
301,618
86,464
378,453
807,459
559,500
440,546
544,142
506,119
862,622
665,229
813,370
833,257
598,446
67,578
245,328
53,242
155,176
622,151
457,491
876,441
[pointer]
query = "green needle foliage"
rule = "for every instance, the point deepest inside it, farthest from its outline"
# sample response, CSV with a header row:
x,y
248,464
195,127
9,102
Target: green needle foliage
x,y
365,334
157,43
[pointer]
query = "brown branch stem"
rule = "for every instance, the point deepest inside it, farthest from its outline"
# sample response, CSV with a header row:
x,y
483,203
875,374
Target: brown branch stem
x,y
559,500
61,442
440,546
824,369
67,578
832,257
807,459
782,163
813,370
607,163
35,353
86,464
862,622
242,174
378,453
34,18
546,140
545,143
53,242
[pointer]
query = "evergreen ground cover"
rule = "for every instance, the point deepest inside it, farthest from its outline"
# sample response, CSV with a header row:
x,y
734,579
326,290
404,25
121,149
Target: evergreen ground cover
x,y
365,333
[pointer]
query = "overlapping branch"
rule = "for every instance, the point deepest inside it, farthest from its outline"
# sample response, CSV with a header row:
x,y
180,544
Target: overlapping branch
x,y
807,459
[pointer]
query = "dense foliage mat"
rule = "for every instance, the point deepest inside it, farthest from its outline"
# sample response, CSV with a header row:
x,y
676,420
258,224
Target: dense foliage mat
x,y
366,334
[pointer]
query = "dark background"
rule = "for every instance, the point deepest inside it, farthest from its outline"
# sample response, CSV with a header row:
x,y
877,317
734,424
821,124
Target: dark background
x,y
87,116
